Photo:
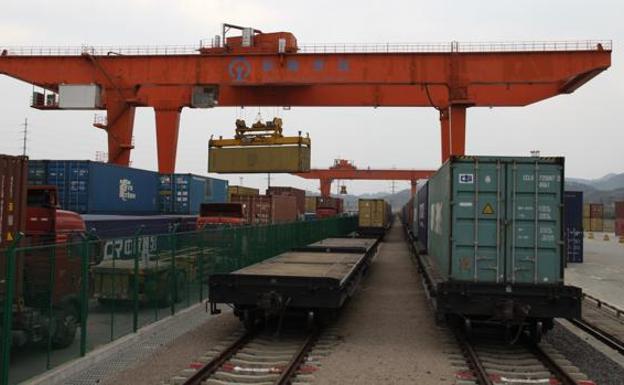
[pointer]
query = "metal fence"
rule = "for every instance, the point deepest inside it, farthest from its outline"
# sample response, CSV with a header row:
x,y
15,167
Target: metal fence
x,y
62,300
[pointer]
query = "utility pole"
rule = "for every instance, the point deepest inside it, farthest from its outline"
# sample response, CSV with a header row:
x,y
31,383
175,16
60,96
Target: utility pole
x,y
240,180
269,180
25,135
393,186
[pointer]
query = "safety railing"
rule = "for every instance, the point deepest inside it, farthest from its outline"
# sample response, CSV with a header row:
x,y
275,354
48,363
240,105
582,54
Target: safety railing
x,y
444,47
522,46
67,299
98,50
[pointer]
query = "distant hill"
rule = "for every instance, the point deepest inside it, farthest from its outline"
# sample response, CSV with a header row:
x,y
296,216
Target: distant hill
x,y
606,183
605,190
608,189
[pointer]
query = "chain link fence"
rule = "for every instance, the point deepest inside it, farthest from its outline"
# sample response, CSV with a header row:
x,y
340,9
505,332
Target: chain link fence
x,y
62,300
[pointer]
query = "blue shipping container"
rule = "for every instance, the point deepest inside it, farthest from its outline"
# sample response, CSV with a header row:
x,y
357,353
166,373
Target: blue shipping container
x,y
89,187
573,225
184,193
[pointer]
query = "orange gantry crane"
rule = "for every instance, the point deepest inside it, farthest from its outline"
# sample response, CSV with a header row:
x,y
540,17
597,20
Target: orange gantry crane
x,y
272,69
345,170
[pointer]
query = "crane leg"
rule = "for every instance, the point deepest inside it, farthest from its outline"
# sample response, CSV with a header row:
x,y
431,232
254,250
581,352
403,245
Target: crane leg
x,y
326,187
413,188
119,126
453,131
167,128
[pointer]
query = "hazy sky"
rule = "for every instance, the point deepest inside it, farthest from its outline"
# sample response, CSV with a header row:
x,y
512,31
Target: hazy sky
x,y
586,127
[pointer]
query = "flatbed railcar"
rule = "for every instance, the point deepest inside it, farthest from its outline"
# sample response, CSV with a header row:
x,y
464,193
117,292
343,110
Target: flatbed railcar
x,y
315,280
493,251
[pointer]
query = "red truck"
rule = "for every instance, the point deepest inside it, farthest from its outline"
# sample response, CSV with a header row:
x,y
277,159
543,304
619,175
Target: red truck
x,y
33,211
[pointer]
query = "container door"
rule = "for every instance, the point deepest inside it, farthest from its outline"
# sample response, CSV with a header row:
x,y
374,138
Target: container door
x,y
477,209
533,231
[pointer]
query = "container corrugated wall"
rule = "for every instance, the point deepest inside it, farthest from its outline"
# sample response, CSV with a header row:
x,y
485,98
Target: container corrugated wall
x,y
573,224
310,204
498,219
422,215
184,193
99,188
13,176
372,213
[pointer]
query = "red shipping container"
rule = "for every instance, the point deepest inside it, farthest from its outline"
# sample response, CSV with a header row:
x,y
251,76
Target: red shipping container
x,y
619,227
596,210
267,209
619,210
291,191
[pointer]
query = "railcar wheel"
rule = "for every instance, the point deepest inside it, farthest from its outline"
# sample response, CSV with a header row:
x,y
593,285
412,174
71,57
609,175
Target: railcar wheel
x,y
536,331
249,319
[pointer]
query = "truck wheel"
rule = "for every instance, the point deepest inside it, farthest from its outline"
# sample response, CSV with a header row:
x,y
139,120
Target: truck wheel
x,y
66,325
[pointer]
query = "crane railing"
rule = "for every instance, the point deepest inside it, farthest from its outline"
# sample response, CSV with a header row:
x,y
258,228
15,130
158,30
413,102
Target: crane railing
x,y
522,46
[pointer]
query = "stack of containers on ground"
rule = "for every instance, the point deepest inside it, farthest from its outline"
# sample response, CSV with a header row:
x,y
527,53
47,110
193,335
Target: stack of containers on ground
x,y
184,193
619,218
241,190
596,213
290,191
267,209
608,218
573,225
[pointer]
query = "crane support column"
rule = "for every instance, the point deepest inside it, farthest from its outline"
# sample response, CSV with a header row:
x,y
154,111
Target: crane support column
x,y
453,130
413,184
326,187
167,128
119,126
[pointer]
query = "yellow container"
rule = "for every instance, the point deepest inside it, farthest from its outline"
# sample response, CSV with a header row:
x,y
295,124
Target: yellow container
x,y
254,159
586,224
310,204
586,210
241,190
596,224
372,213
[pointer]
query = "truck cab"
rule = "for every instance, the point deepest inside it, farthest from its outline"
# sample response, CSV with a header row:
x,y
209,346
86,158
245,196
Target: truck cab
x,y
52,271
215,214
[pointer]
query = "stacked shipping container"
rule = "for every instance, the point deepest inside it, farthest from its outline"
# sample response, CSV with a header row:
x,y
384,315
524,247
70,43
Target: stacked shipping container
x,y
88,187
290,191
184,193
619,218
573,225
267,209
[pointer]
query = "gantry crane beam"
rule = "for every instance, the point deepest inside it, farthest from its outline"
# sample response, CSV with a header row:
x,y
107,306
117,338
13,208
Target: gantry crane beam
x,y
264,75
345,170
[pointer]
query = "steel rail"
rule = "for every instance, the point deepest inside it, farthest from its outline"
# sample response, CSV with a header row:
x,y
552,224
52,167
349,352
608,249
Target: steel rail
x,y
550,364
290,370
601,335
207,370
474,362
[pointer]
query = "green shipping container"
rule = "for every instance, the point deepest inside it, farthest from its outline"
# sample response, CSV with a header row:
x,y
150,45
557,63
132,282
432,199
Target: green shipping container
x,y
497,220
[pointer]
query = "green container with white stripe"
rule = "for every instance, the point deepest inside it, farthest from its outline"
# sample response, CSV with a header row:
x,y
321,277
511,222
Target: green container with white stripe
x,y
497,220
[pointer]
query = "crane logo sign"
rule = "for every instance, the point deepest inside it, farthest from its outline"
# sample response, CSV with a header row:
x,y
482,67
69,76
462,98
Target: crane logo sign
x,y
239,69
126,190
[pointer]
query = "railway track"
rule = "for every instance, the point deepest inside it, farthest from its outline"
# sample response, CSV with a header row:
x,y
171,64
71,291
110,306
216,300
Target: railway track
x,y
490,361
603,321
254,358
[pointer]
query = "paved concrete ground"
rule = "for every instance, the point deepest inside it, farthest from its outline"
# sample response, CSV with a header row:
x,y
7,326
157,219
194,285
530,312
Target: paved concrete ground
x,y
602,272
